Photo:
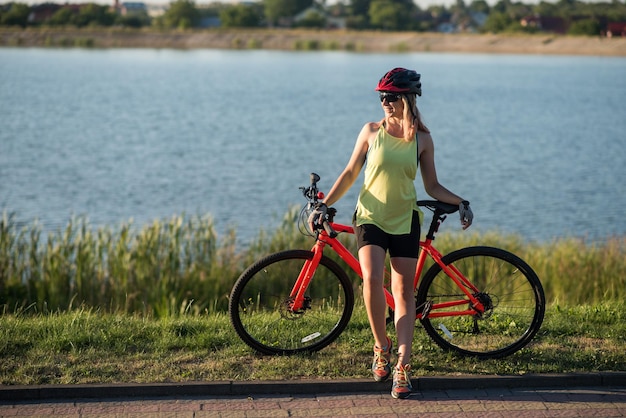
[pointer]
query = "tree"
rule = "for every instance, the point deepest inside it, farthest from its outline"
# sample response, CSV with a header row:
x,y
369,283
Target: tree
x,y
95,15
134,20
616,11
392,14
313,19
479,6
358,14
517,11
181,14
357,22
360,7
17,15
276,9
501,6
546,9
240,16
588,27
461,15
497,22
458,7
63,16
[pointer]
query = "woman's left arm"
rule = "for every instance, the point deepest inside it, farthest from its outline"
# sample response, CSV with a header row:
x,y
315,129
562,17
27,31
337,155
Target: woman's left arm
x,y
431,183
429,173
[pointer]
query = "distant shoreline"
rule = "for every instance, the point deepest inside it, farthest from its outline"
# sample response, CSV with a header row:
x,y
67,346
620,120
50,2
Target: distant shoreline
x,y
287,39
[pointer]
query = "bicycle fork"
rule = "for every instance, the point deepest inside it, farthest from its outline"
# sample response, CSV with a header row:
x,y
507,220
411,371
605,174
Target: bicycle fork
x,y
297,296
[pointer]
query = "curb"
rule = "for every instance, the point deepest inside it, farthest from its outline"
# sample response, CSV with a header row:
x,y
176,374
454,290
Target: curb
x,y
300,387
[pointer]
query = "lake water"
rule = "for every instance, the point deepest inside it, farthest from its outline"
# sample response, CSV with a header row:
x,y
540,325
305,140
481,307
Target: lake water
x,y
536,143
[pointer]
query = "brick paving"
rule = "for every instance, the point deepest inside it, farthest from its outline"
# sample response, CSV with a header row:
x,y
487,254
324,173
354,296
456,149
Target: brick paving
x,y
596,401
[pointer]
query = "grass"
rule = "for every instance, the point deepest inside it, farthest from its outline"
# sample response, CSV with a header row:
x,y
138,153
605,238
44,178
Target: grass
x,y
148,304
87,346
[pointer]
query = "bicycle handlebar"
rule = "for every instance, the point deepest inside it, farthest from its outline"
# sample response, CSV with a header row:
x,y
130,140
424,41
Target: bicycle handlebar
x,y
313,195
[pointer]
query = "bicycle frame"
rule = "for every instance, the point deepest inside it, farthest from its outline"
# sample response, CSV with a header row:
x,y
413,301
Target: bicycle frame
x,y
456,294
426,250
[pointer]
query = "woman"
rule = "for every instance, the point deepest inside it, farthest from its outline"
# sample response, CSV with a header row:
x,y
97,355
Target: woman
x,y
387,217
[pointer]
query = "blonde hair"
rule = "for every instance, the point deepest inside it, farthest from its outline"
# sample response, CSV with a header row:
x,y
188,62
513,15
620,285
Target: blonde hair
x,y
412,119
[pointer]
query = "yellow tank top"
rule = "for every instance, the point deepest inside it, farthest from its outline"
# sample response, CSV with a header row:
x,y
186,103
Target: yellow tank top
x,y
388,197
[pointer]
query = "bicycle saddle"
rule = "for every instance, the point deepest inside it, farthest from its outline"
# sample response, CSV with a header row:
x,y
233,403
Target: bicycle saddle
x,y
434,205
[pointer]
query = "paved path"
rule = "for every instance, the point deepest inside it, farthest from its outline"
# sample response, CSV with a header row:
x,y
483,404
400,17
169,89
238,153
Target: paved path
x,y
564,396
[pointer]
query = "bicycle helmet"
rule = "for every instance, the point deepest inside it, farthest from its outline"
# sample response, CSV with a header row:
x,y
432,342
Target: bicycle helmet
x,y
400,80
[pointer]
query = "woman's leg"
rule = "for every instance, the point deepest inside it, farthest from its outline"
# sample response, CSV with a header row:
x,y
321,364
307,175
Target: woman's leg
x,y
372,260
402,275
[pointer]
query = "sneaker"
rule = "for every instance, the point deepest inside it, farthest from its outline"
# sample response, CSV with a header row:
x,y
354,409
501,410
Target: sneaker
x,y
401,387
380,366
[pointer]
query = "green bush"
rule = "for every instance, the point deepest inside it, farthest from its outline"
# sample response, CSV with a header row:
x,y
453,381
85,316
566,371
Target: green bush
x,y
84,42
587,27
307,45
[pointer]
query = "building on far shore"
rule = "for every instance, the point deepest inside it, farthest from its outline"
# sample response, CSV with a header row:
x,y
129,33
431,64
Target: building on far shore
x,y
129,8
41,12
156,10
616,29
546,23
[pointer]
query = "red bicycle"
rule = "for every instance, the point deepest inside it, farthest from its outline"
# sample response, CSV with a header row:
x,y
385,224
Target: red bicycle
x,y
477,301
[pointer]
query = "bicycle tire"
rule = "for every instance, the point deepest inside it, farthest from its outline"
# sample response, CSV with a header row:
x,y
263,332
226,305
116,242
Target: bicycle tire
x,y
259,297
505,282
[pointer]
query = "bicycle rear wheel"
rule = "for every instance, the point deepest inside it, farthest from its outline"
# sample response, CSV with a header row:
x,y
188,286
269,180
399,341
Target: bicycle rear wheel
x,y
508,287
259,304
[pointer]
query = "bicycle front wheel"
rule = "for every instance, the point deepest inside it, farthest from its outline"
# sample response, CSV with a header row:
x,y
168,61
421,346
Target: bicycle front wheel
x,y
259,306
508,288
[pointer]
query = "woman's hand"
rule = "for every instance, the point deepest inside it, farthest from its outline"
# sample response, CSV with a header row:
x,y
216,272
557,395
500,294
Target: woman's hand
x,y
466,214
317,216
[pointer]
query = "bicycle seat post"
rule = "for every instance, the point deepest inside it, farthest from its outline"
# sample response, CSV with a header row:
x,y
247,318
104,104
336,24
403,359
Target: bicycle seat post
x,y
438,218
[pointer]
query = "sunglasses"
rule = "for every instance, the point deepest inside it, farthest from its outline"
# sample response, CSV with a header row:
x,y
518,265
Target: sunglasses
x,y
391,97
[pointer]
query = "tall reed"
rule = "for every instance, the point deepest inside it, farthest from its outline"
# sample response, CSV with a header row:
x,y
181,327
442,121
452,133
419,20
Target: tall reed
x,y
179,266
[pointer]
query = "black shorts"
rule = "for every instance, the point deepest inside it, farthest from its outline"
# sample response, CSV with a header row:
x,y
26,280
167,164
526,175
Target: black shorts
x,y
405,245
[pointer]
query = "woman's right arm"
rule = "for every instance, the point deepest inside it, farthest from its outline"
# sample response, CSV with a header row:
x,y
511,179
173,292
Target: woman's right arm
x,y
350,173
